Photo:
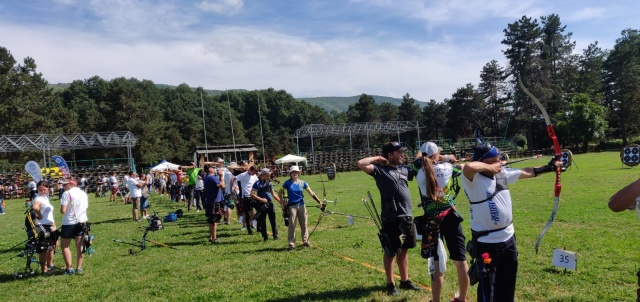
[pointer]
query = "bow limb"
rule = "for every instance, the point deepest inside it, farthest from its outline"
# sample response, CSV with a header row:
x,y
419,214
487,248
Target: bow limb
x,y
556,148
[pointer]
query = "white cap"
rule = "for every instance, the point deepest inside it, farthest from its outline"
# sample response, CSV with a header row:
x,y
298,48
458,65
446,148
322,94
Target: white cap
x,y
294,169
429,148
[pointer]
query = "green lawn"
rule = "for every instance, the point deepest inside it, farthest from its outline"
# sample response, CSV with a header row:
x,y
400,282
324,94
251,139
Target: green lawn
x,y
344,262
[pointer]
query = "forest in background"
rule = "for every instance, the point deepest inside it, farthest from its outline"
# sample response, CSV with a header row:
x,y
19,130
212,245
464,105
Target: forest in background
x,y
592,96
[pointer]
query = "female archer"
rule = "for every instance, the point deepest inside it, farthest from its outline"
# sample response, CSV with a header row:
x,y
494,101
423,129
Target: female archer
x,y
437,182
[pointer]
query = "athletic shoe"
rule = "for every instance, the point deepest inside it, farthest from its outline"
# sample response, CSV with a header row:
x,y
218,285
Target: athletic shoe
x,y
409,285
275,237
226,222
306,244
291,247
69,272
79,271
392,290
244,228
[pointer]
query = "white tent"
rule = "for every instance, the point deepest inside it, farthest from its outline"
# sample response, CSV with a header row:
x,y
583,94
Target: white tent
x,y
292,159
164,165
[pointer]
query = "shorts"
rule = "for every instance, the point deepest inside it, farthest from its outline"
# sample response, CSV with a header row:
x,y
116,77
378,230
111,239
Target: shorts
x,y
114,190
451,230
212,212
396,227
136,202
144,204
71,231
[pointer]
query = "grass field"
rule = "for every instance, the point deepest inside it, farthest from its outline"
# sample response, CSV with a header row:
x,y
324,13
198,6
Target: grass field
x,y
344,262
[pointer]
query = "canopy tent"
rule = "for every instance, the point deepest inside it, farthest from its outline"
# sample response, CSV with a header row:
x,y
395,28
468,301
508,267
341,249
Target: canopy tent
x,y
164,165
292,159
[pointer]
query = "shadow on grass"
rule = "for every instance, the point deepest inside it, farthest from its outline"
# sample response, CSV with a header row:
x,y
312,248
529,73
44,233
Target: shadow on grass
x,y
352,293
116,220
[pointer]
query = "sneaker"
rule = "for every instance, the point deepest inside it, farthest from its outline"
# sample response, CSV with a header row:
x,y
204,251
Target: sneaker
x,y
275,237
79,271
213,241
291,247
392,290
52,267
226,222
409,285
197,211
264,239
244,228
306,244
69,272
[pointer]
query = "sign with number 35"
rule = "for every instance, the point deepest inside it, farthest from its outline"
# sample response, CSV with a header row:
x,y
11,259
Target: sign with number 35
x,y
564,259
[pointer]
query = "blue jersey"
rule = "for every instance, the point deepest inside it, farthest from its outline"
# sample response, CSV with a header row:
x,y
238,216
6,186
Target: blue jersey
x,y
211,191
263,189
295,191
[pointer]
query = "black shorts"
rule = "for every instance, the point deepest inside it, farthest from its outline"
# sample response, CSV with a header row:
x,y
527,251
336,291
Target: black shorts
x,y
451,230
72,231
212,212
396,227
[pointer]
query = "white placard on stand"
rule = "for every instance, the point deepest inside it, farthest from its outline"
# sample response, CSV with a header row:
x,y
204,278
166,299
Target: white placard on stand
x,y
565,259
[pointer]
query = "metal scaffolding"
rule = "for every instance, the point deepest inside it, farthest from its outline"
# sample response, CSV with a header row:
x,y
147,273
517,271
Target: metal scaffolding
x,y
48,142
321,130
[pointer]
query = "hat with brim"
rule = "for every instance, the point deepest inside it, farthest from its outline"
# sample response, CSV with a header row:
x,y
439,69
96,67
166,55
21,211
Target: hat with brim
x,y
294,169
233,165
218,160
392,146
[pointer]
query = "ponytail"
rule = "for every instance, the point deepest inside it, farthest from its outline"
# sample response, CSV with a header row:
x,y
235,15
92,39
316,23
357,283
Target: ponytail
x,y
430,174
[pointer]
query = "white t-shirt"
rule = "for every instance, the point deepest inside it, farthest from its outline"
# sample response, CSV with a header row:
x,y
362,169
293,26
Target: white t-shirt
x,y
32,185
443,174
113,180
77,203
495,213
246,180
46,209
134,191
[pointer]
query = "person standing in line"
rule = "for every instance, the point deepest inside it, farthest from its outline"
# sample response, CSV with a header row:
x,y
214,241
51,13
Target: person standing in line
x,y
73,207
135,192
295,206
392,180
245,183
44,218
438,187
492,233
213,186
199,191
229,194
263,193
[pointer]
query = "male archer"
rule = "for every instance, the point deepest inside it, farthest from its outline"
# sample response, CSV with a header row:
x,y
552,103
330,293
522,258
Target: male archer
x,y
485,184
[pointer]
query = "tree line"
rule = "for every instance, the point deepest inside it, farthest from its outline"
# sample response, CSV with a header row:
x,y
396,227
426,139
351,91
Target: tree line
x,y
592,97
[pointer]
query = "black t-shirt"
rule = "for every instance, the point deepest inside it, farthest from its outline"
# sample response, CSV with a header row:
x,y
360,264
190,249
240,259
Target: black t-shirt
x,y
393,183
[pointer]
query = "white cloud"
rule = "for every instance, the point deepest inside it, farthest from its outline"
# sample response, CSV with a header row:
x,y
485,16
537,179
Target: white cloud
x,y
222,6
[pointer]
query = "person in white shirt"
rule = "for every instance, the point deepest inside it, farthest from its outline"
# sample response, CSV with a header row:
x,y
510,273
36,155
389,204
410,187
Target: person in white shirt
x,y
135,192
246,181
113,181
32,189
73,207
485,183
45,221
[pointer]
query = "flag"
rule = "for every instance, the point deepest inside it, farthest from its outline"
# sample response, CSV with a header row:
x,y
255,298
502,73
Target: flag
x,y
33,169
62,165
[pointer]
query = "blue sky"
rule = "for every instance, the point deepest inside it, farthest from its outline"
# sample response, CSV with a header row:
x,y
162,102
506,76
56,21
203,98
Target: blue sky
x,y
308,48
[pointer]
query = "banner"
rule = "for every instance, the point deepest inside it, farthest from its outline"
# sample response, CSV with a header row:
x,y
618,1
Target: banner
x,y
62,165
33,169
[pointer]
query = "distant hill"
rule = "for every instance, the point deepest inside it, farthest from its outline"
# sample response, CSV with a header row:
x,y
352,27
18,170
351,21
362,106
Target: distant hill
x,y
328,103
341,104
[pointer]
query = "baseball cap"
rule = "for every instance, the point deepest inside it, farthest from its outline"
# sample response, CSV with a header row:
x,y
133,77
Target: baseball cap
x,y
392,146
294,169
218,160
429,148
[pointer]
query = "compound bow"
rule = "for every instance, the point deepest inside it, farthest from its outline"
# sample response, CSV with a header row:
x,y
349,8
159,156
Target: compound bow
x,y
557,154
